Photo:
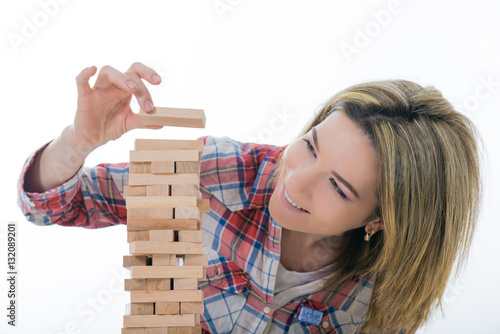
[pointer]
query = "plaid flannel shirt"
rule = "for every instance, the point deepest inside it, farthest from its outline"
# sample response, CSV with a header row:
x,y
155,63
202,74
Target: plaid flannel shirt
x,y
240,237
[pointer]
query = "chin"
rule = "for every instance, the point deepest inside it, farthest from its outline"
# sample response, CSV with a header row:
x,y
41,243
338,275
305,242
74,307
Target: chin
x,y
279,215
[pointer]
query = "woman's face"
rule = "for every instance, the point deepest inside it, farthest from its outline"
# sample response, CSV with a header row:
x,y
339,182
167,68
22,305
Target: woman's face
x,y
331,174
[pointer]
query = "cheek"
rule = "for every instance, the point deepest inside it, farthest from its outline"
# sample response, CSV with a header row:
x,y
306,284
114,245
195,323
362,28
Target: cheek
x,y
331,215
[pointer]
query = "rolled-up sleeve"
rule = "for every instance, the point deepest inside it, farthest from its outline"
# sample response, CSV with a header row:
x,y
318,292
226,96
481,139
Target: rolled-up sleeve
x,y
92,198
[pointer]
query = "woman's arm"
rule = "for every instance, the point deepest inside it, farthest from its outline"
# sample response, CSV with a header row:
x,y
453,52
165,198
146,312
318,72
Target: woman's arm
x,y
103,114
57,163
53,187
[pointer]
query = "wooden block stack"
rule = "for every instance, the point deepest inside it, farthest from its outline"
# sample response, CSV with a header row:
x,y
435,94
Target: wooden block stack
x,y
164,210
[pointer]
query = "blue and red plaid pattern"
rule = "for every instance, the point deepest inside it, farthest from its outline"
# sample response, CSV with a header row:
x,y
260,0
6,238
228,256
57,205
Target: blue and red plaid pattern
x,y
240,237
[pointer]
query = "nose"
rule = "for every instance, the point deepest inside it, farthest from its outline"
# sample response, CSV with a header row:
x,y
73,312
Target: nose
x,y
301,180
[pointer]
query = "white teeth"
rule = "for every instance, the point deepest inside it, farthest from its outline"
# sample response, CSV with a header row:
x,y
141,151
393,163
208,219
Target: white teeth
x,y
292,202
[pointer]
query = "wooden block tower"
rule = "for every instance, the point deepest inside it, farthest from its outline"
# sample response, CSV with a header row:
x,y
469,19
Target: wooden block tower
x,y
164,210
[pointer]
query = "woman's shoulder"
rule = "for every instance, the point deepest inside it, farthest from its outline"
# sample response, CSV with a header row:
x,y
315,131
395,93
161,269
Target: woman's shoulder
x,y
229,150
232,170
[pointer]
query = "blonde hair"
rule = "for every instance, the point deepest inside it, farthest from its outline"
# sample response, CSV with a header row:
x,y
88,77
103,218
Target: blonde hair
x,y
429,196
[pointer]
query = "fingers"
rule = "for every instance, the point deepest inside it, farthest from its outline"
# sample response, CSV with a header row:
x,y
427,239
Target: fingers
x,y
146,73
108,75
82,79
131,81
141,93
138,71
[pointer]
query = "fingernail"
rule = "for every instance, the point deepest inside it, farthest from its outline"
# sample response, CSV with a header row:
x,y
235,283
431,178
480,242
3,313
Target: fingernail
x,y
148,105
156,78
130,84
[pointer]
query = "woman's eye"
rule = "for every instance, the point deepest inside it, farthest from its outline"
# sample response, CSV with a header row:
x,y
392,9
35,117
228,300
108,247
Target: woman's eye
x,y
335,185
311,148
337,188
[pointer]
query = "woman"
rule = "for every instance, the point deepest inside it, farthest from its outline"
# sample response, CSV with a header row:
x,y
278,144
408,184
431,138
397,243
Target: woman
x,y
353,227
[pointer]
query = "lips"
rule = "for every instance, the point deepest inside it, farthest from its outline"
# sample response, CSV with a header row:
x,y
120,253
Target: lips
x,y
289,203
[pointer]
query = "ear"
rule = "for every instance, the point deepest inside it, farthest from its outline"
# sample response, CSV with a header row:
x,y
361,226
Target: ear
x,y
376,224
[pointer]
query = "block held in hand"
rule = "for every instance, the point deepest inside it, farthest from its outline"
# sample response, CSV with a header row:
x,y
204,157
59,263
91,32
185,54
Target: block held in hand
x,y
192,118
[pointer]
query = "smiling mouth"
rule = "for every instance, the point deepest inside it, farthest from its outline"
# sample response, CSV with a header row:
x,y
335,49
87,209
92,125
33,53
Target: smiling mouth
x,y
293,203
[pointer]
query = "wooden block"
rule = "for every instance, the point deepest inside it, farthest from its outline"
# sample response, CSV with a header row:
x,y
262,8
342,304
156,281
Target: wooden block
x,y
192,308
161,213
129,260
139,167
161,235
158,284
164,155
134,191
160,247
137,236
187,167
186,190
164,167
187,213
185,330
137,213
161,224
193,118
157,330
166,296
196,260
190,236
159,320
133,331
149,284
169,144
164,259
185,283
157,190
167,272
139,308
161,201
154,179
133,284
204,205
168,308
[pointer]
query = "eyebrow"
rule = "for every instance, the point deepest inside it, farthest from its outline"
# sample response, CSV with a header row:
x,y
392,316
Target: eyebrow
x,y
340,178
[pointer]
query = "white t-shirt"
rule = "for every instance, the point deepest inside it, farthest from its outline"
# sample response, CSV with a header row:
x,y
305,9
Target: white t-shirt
x,y
293,284
286,278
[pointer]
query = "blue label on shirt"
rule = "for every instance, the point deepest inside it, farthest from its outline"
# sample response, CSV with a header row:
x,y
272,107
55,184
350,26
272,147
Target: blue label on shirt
x,y
310,316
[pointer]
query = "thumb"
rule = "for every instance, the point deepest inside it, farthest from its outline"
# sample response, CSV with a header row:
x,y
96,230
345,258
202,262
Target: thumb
x,y
134,122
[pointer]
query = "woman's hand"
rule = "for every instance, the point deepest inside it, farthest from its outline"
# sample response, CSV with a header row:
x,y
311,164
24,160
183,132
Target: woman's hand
x,y
103,111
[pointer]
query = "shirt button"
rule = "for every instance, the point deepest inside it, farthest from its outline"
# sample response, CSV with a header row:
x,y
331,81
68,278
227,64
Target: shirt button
x,y
266,309
325,324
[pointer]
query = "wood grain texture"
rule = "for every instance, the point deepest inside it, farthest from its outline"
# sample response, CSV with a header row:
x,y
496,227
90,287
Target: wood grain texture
x,y
166,296
159,320
192,118
162,167
167,272
161,247
140,224
133,202
142,179
168,144
163,155
185,283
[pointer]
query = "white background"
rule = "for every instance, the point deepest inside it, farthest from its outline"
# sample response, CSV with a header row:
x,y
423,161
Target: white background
x,y
243,62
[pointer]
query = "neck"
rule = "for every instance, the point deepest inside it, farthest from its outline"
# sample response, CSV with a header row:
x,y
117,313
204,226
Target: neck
x,y
309,241
307,252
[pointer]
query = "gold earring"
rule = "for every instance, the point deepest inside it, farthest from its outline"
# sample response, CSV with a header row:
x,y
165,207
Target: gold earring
x,y
367,236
